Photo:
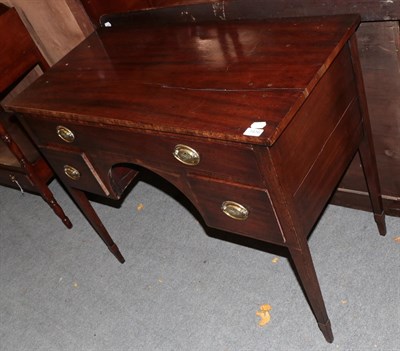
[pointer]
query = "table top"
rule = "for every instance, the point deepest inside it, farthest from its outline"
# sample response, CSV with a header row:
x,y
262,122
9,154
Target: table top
x,y
211,80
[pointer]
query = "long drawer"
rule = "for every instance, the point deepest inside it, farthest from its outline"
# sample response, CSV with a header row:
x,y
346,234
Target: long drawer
x,y
230,161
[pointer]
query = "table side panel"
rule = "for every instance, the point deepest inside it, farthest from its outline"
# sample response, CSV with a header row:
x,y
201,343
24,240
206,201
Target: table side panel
x,y
320,142
303,139
316,189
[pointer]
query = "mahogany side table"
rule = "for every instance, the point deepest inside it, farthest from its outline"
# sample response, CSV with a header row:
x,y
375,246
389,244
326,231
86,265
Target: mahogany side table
x,y
254,121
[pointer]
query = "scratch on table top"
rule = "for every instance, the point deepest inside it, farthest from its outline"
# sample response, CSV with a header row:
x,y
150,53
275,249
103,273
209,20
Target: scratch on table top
x,y
223,90
219,10
188,14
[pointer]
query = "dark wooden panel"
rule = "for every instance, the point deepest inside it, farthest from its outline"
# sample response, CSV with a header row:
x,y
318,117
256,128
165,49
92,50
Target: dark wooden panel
x,y
96,8
331,98
320,142
370,10
165,3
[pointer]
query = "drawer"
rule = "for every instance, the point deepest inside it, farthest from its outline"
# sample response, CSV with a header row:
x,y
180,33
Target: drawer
x,y
231,161
76,170
12,179
236,208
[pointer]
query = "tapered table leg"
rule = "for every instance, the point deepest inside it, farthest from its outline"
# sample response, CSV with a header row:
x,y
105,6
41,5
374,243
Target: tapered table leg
x,y
366,148
371,176
91,215
308,277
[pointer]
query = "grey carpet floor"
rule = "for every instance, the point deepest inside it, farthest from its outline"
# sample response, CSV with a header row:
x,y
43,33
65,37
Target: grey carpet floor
x,y
185,287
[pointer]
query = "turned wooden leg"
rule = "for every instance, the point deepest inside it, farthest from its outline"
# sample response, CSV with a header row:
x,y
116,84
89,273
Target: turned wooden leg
x,y
89,212
33,175
49,198
305,268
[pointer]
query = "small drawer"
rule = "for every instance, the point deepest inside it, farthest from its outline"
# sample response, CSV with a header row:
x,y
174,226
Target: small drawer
x,y
17,180
237,208
45,132
76,170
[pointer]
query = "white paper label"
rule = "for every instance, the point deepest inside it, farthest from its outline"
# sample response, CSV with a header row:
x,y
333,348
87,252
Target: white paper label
x,y
259,125
253,132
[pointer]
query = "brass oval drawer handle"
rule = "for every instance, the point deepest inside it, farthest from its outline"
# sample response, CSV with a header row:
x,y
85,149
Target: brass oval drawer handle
x,y
65,134
234,210
186,155
72,172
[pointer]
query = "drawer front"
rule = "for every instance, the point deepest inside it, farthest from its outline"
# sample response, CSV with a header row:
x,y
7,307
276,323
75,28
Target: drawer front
x,y
76,170
236,208
17,180
231,161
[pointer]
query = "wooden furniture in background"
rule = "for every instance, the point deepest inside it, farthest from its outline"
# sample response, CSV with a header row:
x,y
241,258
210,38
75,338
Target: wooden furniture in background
x,y
98,8
379,43
55,26
21,165
200,10
256,140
